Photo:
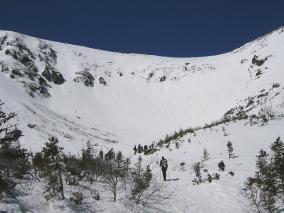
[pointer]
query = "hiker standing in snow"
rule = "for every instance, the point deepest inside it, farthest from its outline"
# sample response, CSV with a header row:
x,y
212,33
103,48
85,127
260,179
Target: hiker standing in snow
x,y
164,166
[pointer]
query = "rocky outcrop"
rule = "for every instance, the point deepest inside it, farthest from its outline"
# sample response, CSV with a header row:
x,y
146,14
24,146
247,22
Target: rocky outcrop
x,y
52,75
102,81
84,77
257,61
23,66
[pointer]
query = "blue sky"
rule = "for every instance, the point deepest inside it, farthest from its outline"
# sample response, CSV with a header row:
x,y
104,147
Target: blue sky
x,y
160,27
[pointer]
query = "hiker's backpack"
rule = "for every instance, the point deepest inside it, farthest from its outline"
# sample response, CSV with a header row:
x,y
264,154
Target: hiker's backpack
x,y
164,163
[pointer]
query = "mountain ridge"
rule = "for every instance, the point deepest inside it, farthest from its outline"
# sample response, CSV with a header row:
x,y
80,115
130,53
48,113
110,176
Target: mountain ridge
x,y
280,28
181,106
127,91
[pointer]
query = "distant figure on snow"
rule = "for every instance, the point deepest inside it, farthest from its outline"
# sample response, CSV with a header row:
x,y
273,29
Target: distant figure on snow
x,y
164,166
135,150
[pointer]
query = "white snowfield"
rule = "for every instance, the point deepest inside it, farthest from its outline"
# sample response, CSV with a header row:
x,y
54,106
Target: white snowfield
x,y
138,99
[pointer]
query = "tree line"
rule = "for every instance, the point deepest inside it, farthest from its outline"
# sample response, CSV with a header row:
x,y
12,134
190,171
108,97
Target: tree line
x,y
58,170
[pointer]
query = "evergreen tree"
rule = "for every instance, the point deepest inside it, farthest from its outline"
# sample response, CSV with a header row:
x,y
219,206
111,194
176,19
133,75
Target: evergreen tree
x,y
230,149
110,155
205,156
14,160
277,149
114,171
88,163
141,179
197,171
73,169
265,177
52,169
100,161
221,165
262,189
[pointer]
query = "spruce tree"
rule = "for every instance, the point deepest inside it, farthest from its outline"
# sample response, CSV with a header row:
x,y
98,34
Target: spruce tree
x,y
141,179
197,171
266,180
262,189
88,163
205,156
73,169
277,149
52,169
221,165
230,149
14,160
114,171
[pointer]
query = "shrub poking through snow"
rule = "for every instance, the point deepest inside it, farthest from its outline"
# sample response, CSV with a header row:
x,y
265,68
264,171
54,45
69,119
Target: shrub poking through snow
x,y
182,165
197,171
205,156
209,178
266,113
230,149
221,166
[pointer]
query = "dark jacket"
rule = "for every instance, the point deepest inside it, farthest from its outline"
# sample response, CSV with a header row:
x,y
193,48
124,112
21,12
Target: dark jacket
x,y
164,164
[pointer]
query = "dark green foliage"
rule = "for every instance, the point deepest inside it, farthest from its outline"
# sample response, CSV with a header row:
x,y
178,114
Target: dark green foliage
x,y
175,136
14,160
266,187
221,166
216,176
89,165
275,85
77,198
230,149
197,171
50,163
234,114
209,178
39,163
73,170
205,156
114,171
142,179
277,149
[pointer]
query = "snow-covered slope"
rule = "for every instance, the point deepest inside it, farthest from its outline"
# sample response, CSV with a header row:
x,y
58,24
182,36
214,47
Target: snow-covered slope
x,y
128,97
120,100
